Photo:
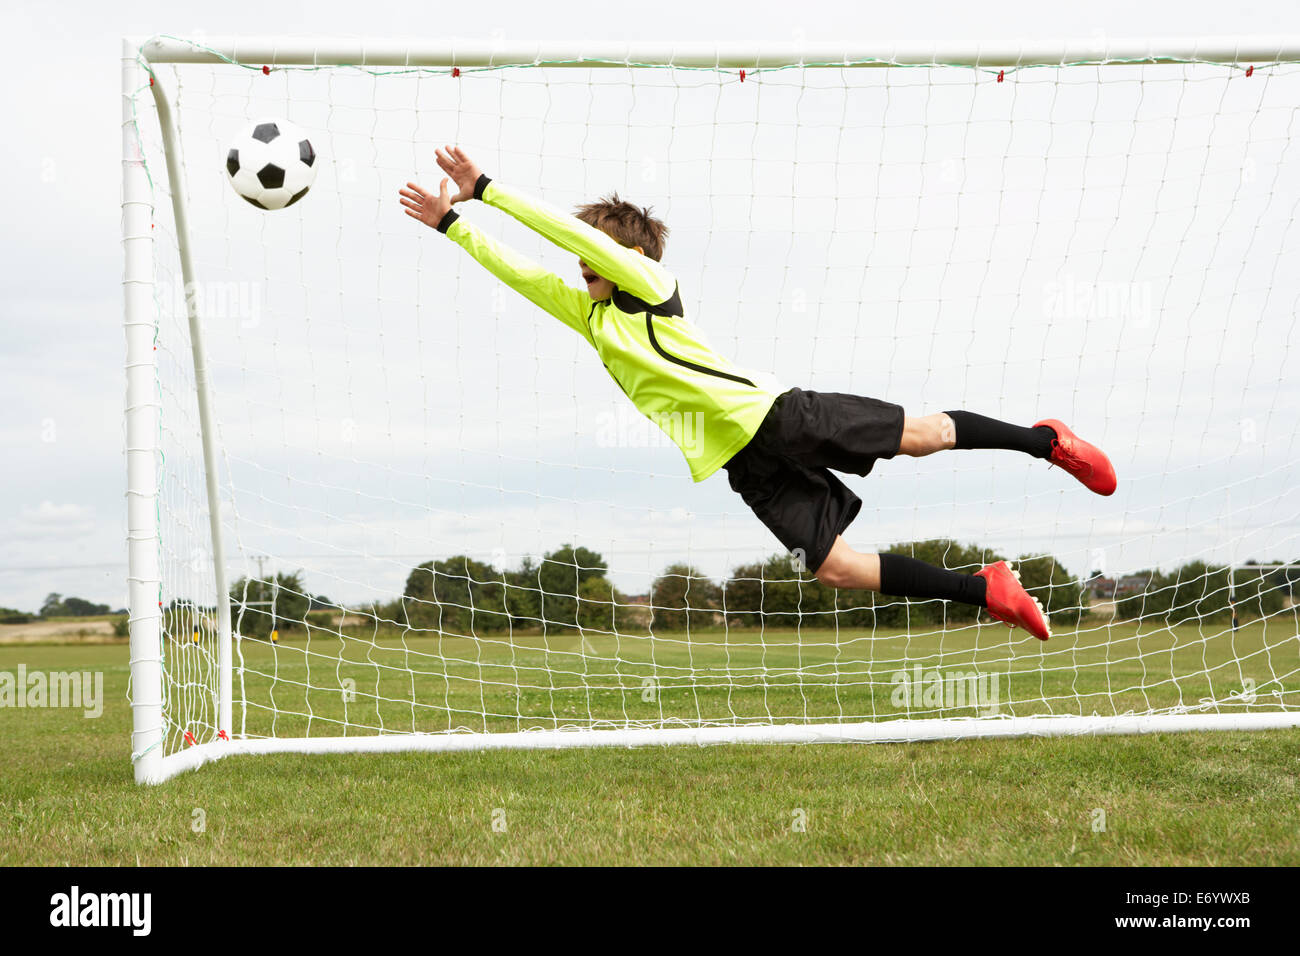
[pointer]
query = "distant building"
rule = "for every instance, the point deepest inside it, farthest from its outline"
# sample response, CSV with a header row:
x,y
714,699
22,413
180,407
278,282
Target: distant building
x,y
1111,589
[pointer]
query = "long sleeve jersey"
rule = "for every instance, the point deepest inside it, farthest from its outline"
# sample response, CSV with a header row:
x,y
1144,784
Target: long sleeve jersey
x,y
708,407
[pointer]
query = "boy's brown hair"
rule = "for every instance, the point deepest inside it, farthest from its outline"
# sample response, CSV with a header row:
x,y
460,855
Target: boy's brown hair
x,y
629,225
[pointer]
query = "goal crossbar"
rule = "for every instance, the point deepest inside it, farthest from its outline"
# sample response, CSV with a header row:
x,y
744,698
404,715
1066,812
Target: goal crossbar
x,y
259,51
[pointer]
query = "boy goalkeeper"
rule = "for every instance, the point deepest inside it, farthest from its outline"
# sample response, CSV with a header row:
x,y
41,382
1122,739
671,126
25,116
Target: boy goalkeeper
x,y
779,447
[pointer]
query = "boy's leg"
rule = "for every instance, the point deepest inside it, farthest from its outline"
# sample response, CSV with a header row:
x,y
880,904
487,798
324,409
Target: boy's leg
x,y
898,575
994,587
926,435
1050,440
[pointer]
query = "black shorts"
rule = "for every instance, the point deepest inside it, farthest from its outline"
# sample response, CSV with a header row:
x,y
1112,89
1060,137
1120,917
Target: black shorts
x,y
784,473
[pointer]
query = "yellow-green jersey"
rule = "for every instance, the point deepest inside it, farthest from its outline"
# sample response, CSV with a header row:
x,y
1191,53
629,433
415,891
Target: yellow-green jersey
x,y
707,406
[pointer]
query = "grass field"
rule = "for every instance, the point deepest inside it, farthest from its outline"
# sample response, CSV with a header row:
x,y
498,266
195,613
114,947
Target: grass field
x,y
66,795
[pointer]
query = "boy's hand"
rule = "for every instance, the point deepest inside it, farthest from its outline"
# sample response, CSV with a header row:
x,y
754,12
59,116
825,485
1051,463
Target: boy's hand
x,y
463,171
424,206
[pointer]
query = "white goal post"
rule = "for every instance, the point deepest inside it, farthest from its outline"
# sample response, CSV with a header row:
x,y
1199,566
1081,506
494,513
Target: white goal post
x,y
377,502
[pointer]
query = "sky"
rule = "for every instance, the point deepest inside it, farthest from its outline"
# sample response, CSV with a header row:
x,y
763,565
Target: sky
x,y
62,516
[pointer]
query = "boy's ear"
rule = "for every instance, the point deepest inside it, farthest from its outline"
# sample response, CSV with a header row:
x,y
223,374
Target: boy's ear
x,y
639,249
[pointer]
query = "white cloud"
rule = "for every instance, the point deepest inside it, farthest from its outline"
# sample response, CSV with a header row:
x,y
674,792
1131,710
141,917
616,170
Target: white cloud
x,y
47,522
48,514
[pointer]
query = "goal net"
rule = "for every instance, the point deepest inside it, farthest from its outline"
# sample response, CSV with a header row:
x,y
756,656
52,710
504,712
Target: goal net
x,y
379,501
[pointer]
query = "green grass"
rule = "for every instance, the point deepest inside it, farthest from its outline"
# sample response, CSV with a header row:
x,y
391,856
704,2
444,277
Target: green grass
x,y
66,795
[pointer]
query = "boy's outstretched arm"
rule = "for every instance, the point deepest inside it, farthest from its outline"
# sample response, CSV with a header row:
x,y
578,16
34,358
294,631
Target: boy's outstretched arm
x,y
542,288
628,269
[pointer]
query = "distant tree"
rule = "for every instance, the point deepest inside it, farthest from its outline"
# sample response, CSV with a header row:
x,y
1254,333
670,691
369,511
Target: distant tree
x,y
457,595
560,576
257,607
79,607
1200,592
682,597
777,593
1061,595
56,605
523,595
1260,591
566,589
598,602
10,615
1292,577
319,602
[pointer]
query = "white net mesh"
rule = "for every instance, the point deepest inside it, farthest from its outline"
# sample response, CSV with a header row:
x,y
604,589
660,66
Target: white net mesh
x,y
440,514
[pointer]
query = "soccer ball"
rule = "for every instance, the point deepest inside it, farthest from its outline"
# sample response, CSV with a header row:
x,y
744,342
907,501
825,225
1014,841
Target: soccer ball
x,y
271,164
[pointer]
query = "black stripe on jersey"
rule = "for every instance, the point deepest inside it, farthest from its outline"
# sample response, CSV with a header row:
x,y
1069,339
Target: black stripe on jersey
x,y
670,307
650,331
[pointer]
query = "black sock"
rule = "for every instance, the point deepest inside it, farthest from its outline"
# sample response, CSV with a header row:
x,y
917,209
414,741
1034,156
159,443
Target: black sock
x,y
977,431
901,576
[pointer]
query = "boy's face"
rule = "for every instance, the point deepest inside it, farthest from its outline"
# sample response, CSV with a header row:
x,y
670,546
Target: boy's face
x,y
599,289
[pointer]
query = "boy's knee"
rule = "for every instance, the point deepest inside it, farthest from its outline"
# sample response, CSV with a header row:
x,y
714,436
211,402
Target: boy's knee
x,y
924,436
938,432
835,572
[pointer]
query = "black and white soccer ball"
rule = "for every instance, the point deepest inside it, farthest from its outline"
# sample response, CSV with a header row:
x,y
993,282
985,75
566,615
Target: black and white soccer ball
x,y
271,164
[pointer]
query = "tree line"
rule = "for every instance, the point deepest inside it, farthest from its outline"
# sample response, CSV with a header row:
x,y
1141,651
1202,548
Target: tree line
x,y
1200,591
56,605
569,588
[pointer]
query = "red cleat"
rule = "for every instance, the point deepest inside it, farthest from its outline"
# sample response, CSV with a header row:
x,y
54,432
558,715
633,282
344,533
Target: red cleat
x,y
1086,462
1010,603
